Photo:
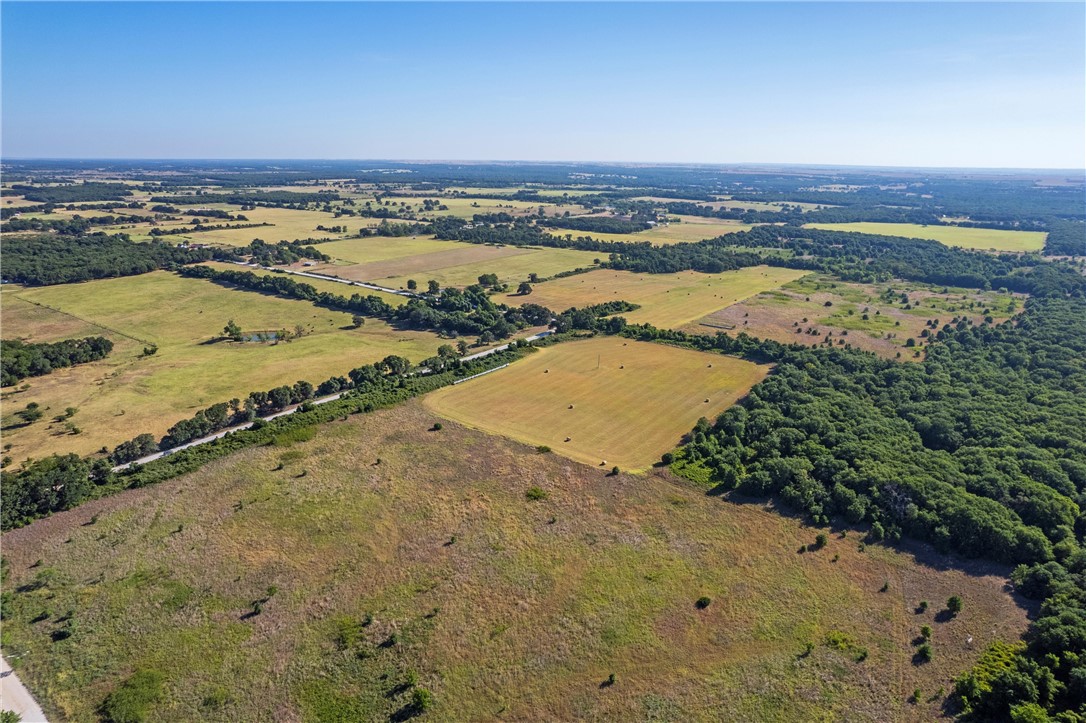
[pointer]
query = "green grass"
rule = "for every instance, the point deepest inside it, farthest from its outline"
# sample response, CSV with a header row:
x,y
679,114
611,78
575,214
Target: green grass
x,y
971,238
447,578
125,395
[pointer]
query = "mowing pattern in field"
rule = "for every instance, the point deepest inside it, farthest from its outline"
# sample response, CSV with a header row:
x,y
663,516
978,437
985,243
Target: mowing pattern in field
x,y
625,402
667,300
505,608
393,261
971,238
125,395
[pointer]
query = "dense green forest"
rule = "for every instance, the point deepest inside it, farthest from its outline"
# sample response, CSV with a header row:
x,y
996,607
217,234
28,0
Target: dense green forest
x,y
44,259
980,449
74,193
19,360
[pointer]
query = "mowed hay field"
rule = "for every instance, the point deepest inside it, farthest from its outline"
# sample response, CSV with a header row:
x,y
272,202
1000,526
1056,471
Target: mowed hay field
x,y
689,230
393,261
788,314
503,607
983,239
666,300
604,400
125,395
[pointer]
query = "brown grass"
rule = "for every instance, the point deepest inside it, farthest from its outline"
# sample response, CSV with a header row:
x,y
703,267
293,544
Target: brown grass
x,y
503,607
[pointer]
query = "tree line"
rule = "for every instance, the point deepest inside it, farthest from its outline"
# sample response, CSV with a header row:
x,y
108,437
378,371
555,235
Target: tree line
x,y
19,360
61,482
45,259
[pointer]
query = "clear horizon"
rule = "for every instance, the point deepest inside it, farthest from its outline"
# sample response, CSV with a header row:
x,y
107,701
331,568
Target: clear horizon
x,y
955,86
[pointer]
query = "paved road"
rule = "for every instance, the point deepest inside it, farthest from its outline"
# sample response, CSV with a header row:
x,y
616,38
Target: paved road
x,y
326,277
14,696
290,410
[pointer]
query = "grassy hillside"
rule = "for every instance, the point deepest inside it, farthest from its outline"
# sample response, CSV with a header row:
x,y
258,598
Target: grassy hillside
x,y
306,581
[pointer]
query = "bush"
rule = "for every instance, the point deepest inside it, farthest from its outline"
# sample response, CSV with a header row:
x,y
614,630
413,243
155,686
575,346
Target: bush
x,y
422,700
542,449
925,630
703,602
821,540
923,653
436,428
954,605
132,701
536,493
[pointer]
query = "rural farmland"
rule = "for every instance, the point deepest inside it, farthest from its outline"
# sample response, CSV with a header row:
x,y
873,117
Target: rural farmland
x,y
604,402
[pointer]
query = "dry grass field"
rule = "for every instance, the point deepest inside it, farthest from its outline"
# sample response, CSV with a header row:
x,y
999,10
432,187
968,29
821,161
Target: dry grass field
x,y
433,569
603,401
984,239
667,300
331,287
127,394
786,314
691,229
392,261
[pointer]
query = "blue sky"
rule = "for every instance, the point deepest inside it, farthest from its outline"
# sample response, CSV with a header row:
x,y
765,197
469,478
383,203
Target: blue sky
x,y
962,84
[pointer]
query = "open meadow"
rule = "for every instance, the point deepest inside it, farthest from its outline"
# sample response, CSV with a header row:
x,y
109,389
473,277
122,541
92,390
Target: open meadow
x,y
307,582
820,307
602,401
983,239
689,230
128,393
666,300
393,261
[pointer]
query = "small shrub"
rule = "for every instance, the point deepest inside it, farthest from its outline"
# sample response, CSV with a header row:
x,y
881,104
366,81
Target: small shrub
x,y
922,607
422,700
954,605
536,494
703,602
436,428
924,653
542,449
821,540
925,630
885,586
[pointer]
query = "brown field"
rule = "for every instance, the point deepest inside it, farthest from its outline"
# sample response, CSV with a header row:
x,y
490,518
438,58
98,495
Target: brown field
x,y
801,305
601,401
666,300
503,607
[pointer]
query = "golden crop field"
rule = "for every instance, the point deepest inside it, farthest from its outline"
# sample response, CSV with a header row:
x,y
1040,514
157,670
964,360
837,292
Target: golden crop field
x,y
666,300
127,394
602,401
984,239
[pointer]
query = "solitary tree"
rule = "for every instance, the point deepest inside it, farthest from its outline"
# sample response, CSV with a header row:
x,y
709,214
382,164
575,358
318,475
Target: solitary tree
x,y
232,330
524,289
432,286
358,320
412,284
954,605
